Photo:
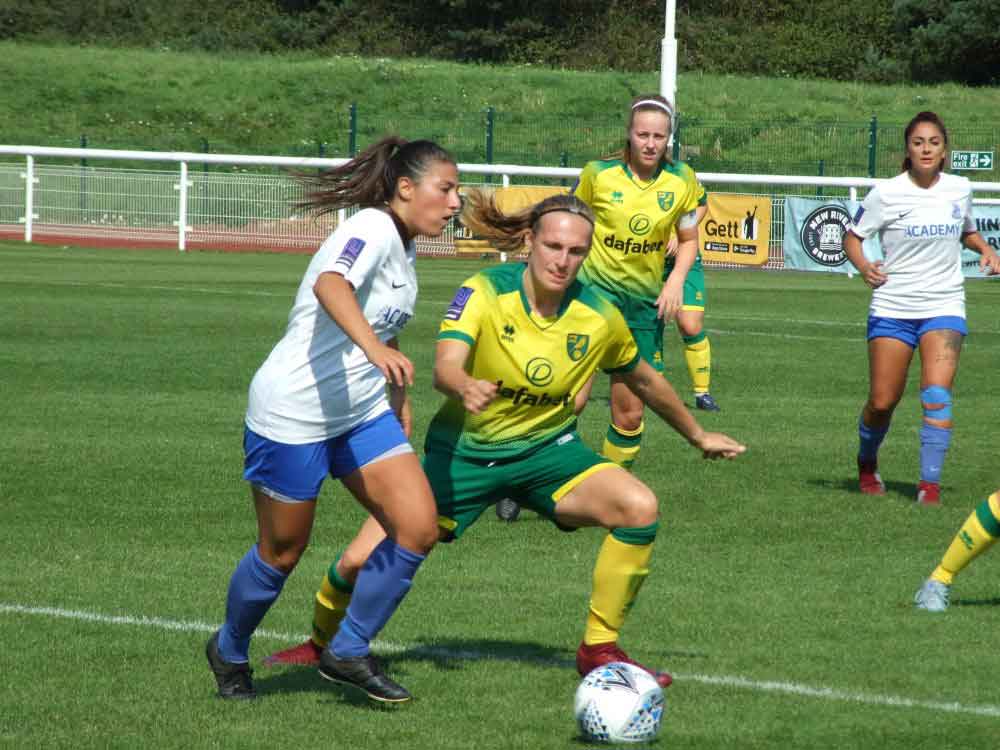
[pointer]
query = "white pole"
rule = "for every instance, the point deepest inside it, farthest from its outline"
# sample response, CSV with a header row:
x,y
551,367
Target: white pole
x,y
182,211
29,197
668,57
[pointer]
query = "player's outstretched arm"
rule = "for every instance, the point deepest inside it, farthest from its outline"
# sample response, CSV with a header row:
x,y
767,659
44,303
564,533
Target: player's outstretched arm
x,y
660,396
451,378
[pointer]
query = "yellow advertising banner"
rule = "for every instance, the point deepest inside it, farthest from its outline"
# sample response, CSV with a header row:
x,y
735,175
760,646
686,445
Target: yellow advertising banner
x,y
509,199
736,229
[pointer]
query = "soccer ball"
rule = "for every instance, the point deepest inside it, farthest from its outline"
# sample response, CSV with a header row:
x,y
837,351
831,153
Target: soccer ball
x,y
619,702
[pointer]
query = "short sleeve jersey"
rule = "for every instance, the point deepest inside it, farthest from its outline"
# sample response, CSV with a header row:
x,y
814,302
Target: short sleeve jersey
x,y
316,383
538,364
634,221
920,230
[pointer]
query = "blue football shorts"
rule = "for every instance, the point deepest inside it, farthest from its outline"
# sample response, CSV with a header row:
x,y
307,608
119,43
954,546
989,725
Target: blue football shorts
x,y
910,330
293,473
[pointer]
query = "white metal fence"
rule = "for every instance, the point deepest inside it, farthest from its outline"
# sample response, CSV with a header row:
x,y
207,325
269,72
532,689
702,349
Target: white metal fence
x,y
240,208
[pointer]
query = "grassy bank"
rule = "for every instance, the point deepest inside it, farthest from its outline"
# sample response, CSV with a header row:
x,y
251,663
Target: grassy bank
x,y
299,104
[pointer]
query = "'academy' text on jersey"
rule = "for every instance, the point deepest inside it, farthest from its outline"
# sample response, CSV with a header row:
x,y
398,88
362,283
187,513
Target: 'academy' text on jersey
x,y
934,231
394,317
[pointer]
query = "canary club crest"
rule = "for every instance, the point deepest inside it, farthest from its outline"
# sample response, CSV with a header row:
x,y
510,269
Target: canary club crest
x,y
665,199
576,345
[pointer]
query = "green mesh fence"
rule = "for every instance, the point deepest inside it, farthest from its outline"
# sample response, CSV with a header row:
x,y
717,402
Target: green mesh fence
x,y
834,149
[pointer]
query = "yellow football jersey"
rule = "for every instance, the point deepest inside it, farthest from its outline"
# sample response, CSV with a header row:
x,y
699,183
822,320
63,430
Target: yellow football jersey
x,y
538,364
634,221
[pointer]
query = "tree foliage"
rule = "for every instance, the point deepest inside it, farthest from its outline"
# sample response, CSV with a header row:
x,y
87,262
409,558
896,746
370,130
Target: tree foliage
x,y
871,40
949,41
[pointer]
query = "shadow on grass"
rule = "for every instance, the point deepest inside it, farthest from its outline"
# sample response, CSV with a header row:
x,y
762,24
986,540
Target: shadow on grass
x,y
905,490
992,602
446,654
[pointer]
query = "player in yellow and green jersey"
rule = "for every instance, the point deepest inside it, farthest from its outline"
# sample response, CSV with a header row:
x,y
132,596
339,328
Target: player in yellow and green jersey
x,y
517,344
639,200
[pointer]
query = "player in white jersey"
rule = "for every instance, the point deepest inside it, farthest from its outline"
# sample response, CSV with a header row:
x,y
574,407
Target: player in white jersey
x,y
923,217
318,406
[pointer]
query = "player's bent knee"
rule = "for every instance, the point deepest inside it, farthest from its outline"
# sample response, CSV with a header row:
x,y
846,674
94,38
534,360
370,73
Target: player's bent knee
x,y
640,508
284,557
419,537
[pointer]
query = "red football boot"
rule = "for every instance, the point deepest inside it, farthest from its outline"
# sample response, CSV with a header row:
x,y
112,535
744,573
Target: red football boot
x,y
589,658
869,480
305,653
929,493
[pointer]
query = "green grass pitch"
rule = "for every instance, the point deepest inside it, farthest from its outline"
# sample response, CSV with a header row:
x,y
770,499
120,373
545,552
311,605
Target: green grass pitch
x,y
779,597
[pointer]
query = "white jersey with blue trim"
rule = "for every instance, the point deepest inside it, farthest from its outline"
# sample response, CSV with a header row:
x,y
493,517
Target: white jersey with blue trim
x,y
921,234
317,383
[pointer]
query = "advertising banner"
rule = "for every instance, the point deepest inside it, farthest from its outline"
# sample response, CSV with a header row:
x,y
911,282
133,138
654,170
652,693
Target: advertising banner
x,y
736,229
814,233
509,200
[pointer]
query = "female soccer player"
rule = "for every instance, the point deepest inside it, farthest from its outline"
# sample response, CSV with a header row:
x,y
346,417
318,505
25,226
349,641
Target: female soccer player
x,y
318,406
639,199
517,343
923,218
979,532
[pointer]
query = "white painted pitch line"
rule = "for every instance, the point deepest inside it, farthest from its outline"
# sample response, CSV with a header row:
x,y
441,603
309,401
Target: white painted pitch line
x,y
743,683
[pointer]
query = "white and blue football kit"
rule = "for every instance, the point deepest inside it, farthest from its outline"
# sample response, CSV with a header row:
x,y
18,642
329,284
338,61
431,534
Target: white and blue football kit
x,y
920,230
317,396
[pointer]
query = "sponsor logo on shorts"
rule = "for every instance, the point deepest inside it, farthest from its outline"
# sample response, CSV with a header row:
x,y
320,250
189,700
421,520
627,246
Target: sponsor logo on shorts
x,y
822,235
457,306
352,249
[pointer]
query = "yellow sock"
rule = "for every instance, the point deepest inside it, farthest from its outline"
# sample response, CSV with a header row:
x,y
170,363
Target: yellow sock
x,y
980,530
622,446
622,566
698,353
329,610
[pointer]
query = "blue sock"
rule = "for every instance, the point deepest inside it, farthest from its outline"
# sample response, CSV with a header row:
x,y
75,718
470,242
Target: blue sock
x,y
934,442
252,590
381,586
870,439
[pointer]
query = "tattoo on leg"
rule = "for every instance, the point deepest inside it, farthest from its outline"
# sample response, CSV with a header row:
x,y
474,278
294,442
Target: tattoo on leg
x,y
953,341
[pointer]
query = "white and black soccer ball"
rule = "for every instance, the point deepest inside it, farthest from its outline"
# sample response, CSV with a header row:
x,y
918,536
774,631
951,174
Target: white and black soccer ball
x,y
619,702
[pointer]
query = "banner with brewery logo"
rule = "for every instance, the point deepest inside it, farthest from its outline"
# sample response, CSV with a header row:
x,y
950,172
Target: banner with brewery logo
x,y
736,229
814,235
